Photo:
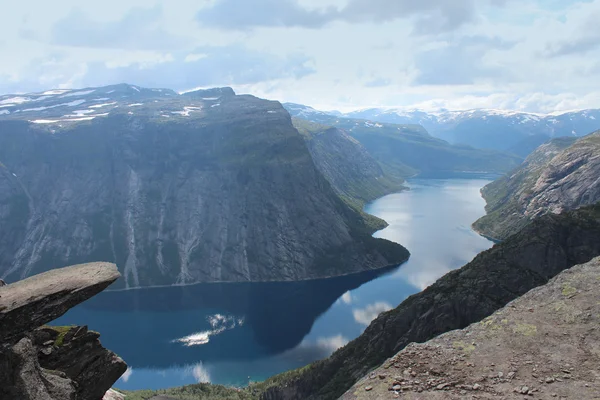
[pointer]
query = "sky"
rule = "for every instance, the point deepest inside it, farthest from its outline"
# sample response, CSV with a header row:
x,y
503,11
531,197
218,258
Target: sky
x,y
529,55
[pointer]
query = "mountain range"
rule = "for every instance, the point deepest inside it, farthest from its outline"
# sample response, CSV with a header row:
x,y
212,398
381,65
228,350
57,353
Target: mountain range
x,y
512,131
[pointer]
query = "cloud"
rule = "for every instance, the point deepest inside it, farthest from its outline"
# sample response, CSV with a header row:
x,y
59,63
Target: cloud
x,y
347,298
138,29
203,66
199,372
332,343
461,62
432,15
378,82
364,316
586,38
127,374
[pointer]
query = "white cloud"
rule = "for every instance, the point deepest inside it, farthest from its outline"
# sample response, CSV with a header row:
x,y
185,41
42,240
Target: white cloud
x,y
332,343
199,372
127,374
347,298
365,315
334,54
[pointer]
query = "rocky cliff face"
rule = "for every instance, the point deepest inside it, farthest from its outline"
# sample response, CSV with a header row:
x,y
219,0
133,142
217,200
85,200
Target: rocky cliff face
x,y
39,362
520,350
560,175
495,277
175,189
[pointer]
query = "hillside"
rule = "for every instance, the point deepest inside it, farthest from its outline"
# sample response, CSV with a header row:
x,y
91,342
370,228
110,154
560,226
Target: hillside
x,y
495,277
406,150
346,164
174,189
519,350
560,175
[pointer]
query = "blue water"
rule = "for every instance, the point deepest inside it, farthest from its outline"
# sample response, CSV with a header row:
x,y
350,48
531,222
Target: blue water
x,y
230,333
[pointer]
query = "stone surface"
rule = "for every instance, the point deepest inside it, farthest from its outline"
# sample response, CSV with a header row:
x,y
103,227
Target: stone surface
x,y
551,332
21,376
32,302
54,363
78,353
560,175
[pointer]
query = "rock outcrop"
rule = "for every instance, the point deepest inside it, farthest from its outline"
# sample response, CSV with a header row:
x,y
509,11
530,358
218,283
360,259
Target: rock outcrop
x,y
561,175
543,345
175,189
549,245
54,363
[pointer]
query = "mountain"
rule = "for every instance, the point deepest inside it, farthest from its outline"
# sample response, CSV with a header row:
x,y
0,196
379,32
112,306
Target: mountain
x,y
528,259
508,349
405,150
345,162
560,175
491,129
175,189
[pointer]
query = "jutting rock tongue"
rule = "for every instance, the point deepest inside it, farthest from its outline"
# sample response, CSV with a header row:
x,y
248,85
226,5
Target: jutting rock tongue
x,y
54,363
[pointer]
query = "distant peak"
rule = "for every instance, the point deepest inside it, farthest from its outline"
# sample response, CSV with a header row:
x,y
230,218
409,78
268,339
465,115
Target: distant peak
x,y
213,92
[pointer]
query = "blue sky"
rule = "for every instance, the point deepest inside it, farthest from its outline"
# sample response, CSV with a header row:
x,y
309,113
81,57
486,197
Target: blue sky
x,y
536,56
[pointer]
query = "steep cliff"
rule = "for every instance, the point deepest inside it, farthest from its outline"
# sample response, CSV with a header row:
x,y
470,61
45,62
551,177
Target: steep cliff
x,y
518,351
560,175
54,363
495,277
175,189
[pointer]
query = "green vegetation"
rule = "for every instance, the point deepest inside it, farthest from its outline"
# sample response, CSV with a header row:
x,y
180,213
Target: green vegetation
x,y
61,331
200,391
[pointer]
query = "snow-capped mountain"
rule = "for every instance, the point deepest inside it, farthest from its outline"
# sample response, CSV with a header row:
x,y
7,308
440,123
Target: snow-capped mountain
x,y
515,131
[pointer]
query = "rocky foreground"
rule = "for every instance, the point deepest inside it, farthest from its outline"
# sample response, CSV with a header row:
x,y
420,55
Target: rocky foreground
x,y
545,345
543,249
40,362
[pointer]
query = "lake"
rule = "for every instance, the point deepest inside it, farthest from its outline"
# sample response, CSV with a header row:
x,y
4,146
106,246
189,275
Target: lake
x,y
235,332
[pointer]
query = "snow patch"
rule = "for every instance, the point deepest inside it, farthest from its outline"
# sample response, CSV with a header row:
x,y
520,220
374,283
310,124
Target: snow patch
x,y
79,93
56,91
135,104
216,105
210,98
134,88
103,105
186,111
15,100
4,112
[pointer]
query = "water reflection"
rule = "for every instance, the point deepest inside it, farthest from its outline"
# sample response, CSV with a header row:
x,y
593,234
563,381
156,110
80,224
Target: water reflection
x,y
224,333
226,322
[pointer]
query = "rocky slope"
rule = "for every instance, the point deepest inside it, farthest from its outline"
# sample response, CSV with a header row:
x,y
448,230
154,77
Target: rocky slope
x,y
406,149
346,164
520,350
495,277
39,362
560,175
175,189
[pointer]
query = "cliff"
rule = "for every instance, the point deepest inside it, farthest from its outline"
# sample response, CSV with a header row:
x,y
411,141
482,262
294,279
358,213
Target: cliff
x,y
560,175
175,189
347,165
40,362
495,277
544,344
